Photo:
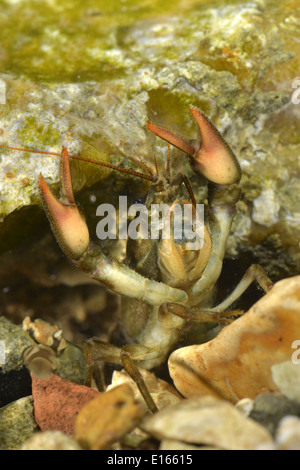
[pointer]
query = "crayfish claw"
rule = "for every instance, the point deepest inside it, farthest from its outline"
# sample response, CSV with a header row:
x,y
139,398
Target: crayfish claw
x,y
67,223
214,158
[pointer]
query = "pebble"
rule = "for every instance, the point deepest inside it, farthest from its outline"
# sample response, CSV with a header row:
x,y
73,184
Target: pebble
x,y
286,376
57,402
51,440
107,418
14,341
268,410
208,421
288,434
17,423
245,406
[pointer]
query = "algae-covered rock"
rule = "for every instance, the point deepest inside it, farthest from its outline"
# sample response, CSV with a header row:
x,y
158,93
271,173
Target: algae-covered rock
x,y
15,341
17,424
141,61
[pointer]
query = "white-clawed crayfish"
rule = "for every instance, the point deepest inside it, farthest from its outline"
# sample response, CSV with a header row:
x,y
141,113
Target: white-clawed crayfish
x,y
162,284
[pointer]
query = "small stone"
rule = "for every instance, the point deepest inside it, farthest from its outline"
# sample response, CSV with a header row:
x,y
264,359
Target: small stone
x,y
14,341
107,418
208,421
163,393
237,363
71,364
245,406
287,378
50,440
17,423
288,434
57,402
269,409
171,444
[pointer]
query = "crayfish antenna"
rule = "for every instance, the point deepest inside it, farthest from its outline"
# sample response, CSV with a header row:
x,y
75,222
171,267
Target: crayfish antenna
x,y
87,160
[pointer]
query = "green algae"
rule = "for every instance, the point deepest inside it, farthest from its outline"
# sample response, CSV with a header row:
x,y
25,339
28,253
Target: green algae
x,y
95,40
89,76
35,131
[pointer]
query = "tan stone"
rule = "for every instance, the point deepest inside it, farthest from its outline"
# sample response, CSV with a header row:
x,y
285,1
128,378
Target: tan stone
x,y
170,444
237,363
208,421
107,418
50,440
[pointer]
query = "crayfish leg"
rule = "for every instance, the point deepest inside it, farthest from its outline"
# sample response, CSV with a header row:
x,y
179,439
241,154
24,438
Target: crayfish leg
x,y
254,273
96,351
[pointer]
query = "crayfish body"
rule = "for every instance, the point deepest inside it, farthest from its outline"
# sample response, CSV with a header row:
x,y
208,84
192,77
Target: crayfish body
x,y
163,282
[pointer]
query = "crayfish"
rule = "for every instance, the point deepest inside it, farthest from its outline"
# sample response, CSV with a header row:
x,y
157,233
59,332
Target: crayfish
x,y
161,282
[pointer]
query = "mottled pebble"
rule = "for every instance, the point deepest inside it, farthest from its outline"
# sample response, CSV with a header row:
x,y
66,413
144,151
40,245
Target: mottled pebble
x,y
51,440
17,423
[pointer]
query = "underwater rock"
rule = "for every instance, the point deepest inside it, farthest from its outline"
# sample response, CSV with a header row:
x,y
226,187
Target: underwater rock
x,y
50,440
57,402
286,376
107,418
288,434
70,363
237,62
268,410
171,444
209,421
17,423
237,363
15,341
